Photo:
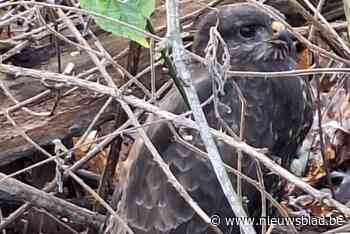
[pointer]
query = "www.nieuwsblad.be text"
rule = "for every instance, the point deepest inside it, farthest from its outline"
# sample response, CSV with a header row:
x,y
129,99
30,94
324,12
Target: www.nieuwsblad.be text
x,y
303,220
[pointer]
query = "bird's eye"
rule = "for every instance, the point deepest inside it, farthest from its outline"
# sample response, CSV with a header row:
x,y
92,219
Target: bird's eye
x,y
248,31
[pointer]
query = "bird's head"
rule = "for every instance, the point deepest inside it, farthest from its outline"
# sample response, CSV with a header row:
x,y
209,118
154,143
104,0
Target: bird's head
x,y
253,38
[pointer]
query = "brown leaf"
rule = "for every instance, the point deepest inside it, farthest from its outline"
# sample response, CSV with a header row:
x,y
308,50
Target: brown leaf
x,y
304,59
330,154
316,172
320,210
98,163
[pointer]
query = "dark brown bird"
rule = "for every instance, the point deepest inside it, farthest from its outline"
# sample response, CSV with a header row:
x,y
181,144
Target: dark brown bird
x,y
278,116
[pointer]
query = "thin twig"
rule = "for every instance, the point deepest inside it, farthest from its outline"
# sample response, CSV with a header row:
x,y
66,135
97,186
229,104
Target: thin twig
x,y
78,10
71,80
68,172
23,192
57,220
176,44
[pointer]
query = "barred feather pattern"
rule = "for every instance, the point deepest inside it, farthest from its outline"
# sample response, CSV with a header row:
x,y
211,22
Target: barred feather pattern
x,y
278,117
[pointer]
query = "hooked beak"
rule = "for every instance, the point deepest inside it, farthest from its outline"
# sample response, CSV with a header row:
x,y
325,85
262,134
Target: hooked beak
x,y
279,32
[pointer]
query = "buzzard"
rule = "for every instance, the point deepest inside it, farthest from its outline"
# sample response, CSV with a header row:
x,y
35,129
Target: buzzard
x,y
278,116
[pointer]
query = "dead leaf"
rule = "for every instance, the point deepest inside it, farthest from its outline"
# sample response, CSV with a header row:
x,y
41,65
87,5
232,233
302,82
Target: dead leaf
x,y
98,163
316,172
320,210
330,154
304,59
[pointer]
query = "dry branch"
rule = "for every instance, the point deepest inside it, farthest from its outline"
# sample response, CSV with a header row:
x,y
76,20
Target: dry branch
x,y
19,191
70,80
176,44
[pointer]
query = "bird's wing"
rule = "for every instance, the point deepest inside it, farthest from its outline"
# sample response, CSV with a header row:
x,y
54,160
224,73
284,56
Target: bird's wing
x,y
295,118
148,201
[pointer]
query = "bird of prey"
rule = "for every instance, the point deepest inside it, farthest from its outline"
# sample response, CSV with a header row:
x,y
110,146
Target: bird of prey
x,y
278,115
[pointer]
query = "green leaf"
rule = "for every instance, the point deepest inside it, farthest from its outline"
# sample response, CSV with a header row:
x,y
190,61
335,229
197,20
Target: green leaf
x,y
133,12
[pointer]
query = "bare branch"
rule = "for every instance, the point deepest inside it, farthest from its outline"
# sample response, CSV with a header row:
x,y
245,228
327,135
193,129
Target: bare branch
x,y
22,192
175,42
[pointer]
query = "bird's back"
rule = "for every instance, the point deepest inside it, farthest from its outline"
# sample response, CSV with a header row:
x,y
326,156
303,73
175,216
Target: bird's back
x,y
277,116
149,202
